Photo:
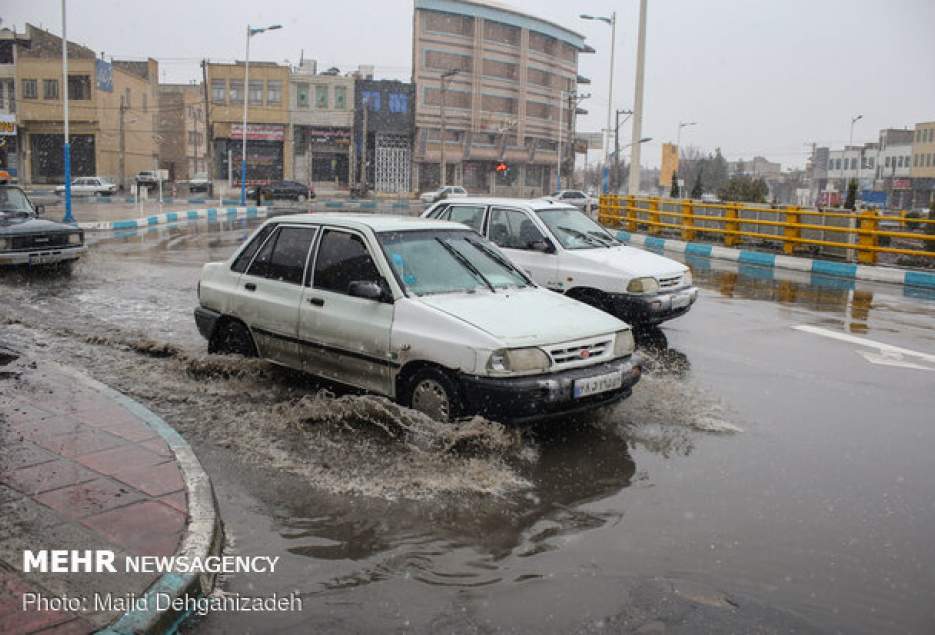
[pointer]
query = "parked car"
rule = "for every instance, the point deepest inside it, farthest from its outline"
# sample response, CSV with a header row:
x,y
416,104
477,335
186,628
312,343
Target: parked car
x,y
198,183
290,190
449,191
27,239
425,312
148,179
574,197
565,251
89,186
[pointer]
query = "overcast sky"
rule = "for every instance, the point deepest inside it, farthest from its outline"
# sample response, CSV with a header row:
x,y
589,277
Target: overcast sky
x,y
759,77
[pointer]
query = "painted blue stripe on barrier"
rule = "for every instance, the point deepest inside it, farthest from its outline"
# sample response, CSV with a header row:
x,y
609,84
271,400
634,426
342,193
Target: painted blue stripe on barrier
x,y
231,211
368,205
920,279
654,243
171,217
697,249
624,236
193,214
212,213
251,212
123,224
757,258
826,267
198,200
334,204
152,220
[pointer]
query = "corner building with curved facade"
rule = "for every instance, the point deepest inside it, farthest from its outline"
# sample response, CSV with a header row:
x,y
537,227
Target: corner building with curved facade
x,y
504,102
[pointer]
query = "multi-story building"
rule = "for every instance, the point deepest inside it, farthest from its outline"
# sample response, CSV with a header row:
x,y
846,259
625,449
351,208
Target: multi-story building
x,y
9,155
269,146
321,115
893,170
181,127
498,81
112,109
853,162
923,164
757,167
384,129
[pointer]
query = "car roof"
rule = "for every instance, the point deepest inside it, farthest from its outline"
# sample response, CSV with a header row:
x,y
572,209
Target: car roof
x,y
528,203
375,222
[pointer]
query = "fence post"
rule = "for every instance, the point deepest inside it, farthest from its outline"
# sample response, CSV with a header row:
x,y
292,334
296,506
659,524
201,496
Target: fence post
x,y
791,229
631,213
868,222
688,220
602,209
731,225
654,215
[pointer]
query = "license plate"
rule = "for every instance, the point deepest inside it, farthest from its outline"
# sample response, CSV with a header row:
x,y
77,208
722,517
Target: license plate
x,y
41,259
680,300
599,384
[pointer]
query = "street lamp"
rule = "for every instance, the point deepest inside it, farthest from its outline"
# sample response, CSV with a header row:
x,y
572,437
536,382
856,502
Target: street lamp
x,y
445,78
678,136
854,120
860,155
612,21
251,31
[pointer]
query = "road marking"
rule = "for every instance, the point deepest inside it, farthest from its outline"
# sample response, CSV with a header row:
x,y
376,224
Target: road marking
x,y
889,355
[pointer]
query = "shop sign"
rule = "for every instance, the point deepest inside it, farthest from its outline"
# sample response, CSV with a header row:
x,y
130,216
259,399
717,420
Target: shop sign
x,y
7,125
258,132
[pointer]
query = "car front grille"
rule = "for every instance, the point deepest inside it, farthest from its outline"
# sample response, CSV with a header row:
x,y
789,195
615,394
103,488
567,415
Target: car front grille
x,y
39,241
670,282
581,352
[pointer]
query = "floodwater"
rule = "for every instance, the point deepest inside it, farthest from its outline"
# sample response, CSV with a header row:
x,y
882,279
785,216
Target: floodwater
x,y
760,478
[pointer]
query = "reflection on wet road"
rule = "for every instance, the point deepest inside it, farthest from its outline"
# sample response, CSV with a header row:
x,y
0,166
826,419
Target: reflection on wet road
x,y
762,477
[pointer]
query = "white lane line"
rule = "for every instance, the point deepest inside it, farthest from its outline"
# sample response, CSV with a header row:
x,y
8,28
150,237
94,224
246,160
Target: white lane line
x,y
888,352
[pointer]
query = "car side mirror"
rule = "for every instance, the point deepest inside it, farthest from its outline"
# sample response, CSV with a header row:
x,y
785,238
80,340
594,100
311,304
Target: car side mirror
x,y
545,246
40,210
369,290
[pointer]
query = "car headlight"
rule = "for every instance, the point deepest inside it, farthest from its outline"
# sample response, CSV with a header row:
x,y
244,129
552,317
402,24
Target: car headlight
x,y
624,343
74,239
687,278
4,244
518,360
643,285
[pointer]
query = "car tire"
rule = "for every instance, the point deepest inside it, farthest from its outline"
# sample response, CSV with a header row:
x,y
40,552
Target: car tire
x,y
432,392
232,337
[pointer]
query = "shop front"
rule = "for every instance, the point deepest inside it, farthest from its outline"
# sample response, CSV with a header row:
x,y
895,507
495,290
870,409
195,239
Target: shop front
x,y
9,160
264,153
322,155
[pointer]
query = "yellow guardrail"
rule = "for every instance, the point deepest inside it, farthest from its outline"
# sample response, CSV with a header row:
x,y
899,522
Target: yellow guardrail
x,y
862,231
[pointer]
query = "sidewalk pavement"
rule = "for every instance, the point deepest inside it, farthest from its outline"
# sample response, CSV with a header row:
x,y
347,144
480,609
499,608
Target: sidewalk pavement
x,y
78,470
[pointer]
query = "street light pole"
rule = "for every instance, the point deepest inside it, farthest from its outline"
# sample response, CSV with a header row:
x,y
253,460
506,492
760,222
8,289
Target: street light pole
x,y
442,176
246,100
616,183
612,21
860,154
69,217
634,185
678,144
853,121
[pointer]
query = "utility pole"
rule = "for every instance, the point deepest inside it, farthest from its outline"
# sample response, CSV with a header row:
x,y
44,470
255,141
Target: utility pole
x,y
208,152
363,147
123,143
616,181
443,176
634,185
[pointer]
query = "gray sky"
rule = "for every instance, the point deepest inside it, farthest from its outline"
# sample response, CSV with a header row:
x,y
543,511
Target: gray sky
x,y
759,77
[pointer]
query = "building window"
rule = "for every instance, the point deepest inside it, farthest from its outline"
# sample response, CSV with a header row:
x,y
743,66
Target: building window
x,y
448,23
321,97
372,99
453,98
30,89
441,60
235,93
899,162
256,92
145,102
50,89
79,87
915,161
918,136
542,43
501,33
870,162
538,110
503,70
399,102
301,95
340,97
273,91
497,103
218,91
887,162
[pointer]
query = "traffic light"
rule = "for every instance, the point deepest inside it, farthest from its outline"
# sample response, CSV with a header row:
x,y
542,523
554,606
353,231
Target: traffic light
x,y
503,167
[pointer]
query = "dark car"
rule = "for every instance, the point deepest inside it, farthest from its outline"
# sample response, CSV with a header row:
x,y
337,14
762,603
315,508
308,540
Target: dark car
x,y
26,239
292,190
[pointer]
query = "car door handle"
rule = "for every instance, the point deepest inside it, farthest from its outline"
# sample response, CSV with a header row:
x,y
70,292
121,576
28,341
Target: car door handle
x,y
250,286
316,301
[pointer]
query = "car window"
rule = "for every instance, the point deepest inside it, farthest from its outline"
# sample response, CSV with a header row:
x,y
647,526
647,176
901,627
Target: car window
x,y
240,264
260,265
574,230
555,194
460,190
470,215
441,212
574,195
513,229
290,254
342,259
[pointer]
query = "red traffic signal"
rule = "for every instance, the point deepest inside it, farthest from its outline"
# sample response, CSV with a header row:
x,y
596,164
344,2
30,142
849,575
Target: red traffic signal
x,y
502,167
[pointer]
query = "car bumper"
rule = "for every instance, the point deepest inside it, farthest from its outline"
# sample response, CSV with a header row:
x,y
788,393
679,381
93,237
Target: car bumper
x,y
206,320
518,399
652,308
37,257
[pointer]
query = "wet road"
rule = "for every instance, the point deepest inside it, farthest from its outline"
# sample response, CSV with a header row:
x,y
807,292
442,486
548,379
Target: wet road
x,y
764,476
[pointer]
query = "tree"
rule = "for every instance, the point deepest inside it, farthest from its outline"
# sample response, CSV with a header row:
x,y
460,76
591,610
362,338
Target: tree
x,y
698,188
674,192
716,172
851,201
743,189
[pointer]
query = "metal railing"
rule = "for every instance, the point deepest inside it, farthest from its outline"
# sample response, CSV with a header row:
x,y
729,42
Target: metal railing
x,y
792,227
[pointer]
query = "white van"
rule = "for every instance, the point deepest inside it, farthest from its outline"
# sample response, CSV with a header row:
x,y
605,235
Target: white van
x,y
427,313
565,251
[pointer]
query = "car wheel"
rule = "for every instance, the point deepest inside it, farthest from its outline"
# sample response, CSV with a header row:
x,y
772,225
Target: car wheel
x,y
433,393
301,198
232,337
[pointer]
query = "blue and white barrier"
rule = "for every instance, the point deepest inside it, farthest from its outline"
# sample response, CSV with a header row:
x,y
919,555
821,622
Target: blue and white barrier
x,y
208,213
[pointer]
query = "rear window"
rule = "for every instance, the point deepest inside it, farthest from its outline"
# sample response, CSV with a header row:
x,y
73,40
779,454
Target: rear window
x,y
240,265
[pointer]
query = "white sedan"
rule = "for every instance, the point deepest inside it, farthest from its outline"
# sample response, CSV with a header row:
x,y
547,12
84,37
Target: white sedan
x,y
89,186
450,191
574,197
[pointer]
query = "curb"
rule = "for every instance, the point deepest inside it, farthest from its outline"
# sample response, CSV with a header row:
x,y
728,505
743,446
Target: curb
x,y
209,213
204,536
845,270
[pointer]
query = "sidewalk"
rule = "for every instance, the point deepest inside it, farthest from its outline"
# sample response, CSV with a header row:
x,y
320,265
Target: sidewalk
x,y
79,470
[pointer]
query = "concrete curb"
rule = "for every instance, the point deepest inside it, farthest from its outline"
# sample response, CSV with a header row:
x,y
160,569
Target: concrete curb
x,y
207,213
845,270
204,536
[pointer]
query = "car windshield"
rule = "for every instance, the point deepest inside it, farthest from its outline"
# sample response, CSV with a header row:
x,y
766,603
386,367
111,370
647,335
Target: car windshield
x,y
574,230
14,204
448,261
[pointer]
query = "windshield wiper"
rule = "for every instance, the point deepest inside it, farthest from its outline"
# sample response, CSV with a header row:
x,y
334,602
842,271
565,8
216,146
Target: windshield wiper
x,y
467,263
500,260
604,236
588,238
